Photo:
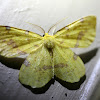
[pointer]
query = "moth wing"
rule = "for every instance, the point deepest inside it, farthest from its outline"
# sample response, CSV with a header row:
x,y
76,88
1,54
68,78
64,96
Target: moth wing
x,y
37,69
15,42
67,65
80,33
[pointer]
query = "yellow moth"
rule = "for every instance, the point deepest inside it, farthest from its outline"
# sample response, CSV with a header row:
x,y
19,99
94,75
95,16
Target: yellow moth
x,y
49,55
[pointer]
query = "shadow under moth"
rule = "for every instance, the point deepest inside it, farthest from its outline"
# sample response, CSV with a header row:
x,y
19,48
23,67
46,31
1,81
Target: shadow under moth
x,y
49,55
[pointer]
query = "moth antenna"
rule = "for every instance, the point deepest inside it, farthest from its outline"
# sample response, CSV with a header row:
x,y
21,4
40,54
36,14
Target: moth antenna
x,y
37,27
53,30
53,26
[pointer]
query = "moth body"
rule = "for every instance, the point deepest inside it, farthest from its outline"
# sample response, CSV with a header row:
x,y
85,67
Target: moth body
x,y
48,41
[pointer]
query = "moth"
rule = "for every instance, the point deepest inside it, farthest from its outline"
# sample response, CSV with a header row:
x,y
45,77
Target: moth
x,y
49,55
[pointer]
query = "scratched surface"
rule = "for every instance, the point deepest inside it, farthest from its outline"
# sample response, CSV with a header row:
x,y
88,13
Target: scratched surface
x,y
45,13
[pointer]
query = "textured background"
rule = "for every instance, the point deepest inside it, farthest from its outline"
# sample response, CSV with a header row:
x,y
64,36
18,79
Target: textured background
x,y
45,13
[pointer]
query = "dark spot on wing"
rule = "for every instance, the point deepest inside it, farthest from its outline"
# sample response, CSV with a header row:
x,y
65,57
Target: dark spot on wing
x,y
67,28
77,44
75,56
36,45
26,63
82,20
14,45
61,65
61,42
7,27
26,32
47,67
21,52
81,34
67,35
3,40
10,42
